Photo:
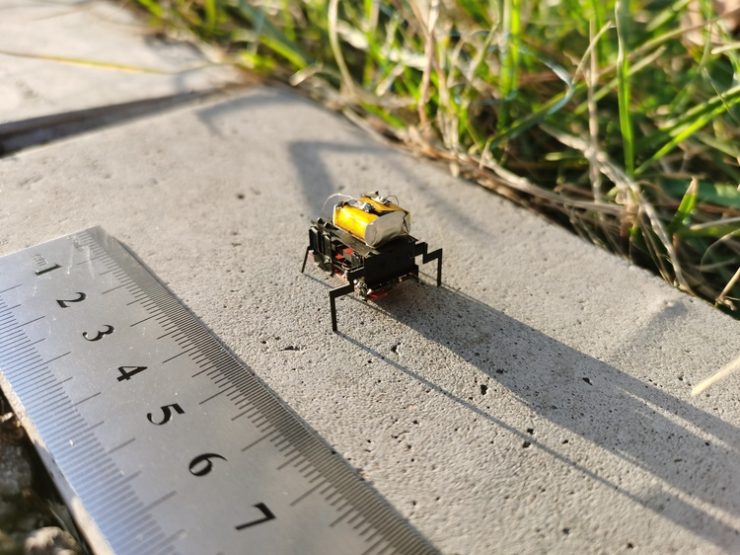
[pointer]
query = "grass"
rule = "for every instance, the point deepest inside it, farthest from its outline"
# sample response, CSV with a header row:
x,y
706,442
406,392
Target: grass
x,y
619,120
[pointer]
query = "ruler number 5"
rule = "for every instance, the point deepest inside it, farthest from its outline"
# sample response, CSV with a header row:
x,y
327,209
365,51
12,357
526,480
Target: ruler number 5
x,y
267,515
167,412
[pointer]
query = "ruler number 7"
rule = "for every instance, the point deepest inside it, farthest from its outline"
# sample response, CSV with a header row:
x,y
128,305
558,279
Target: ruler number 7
x,y
267,514
198,469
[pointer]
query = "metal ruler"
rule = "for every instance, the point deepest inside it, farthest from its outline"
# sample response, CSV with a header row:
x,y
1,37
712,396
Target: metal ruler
x,y
159,438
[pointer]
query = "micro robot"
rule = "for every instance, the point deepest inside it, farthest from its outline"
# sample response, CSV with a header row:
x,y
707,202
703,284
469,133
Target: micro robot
x,y
366,241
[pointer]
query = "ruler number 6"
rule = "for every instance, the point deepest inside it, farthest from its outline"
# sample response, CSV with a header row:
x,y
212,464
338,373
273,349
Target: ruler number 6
x,y
167,412
198,469
267,514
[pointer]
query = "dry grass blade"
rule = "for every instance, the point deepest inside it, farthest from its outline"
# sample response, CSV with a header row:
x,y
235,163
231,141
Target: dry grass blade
x,y
725,371
523,185
632,191
347,81
730,284
101,64
427,23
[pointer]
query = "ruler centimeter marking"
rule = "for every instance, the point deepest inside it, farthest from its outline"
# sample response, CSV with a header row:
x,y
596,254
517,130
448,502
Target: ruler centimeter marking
x,y
159,438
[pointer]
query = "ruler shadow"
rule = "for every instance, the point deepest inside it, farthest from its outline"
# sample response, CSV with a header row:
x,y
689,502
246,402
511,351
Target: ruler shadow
x,y
579,393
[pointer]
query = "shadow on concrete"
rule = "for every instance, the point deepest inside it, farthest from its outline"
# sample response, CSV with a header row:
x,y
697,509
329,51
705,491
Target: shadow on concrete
x,y
316,182
216,116
18,135
621,414
617,412
580,394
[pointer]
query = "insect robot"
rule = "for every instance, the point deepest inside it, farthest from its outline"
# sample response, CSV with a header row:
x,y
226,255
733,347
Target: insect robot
x,y
366,241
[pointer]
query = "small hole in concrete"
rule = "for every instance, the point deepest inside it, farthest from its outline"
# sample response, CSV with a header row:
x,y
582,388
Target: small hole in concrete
x,y
588,381
530,431
566,531
483,389
526,444
240,196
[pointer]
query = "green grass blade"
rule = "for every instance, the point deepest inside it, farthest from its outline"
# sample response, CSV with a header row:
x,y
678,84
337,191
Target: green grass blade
x,y
274,39
686,207
510,57
623,89
690,124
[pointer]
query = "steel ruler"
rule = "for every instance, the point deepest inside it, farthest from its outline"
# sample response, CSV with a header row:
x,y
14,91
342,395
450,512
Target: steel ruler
x,y
159,438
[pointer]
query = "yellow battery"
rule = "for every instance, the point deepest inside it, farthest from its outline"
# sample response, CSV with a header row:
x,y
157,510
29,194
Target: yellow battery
x,y
379,207
378,223
353,219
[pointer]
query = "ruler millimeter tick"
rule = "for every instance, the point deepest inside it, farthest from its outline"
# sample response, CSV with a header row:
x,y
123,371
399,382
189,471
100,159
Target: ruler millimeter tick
x,y
159,438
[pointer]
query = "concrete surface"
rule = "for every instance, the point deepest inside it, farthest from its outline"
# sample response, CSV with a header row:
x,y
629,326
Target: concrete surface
x,y
68,55
539,402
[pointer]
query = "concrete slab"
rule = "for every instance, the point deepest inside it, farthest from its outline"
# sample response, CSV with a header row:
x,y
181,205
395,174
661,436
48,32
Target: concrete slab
x,y
539,402
71,55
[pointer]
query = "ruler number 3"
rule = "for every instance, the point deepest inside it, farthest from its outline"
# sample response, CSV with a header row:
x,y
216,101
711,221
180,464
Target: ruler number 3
x,y
99,334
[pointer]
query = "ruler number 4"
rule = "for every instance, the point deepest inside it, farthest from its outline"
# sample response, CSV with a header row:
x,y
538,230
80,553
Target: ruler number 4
x,y
128,371
267,514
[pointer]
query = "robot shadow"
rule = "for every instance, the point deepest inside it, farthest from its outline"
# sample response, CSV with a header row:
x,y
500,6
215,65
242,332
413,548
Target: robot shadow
x,y
653,430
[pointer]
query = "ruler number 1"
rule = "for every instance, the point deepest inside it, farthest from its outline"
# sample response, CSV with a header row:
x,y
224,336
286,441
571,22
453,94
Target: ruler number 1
x,y
47,269
267,514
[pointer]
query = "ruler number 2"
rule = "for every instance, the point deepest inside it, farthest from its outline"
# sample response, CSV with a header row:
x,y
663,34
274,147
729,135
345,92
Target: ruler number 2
x,y
64,303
